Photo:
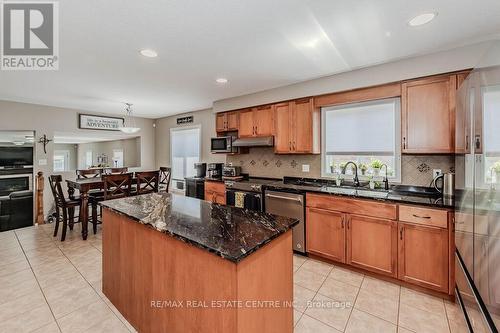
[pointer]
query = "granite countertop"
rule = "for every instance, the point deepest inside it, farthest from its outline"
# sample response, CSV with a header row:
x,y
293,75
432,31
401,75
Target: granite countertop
x,y
364,193
229,232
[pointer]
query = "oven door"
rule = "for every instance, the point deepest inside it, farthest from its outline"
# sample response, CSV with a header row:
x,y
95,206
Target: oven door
x,y
251,201
15,182
221,145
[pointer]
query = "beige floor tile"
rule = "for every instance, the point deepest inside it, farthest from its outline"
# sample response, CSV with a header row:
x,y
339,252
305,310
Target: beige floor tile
x,y
11,256
346,276
458,327
308,279
404,330
307,324
28,321
14,267
317,267
339,291
50,328
21,304
118,314
85,317
111,324
302,296
453,311
362,322
48,278
329,311
422,301
71,299
9,244
379,306
421,321
298,259
16,290
382,288
7,235
296,316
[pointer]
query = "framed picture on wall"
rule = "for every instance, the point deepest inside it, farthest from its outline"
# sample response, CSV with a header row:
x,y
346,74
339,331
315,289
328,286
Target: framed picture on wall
x,y
87,121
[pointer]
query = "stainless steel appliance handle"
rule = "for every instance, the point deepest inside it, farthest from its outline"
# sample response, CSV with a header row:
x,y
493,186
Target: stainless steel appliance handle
x,y
284,198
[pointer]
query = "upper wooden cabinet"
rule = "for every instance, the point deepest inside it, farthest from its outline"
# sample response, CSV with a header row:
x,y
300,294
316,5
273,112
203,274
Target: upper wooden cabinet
x,y
297,128
227,121
256,122
428,115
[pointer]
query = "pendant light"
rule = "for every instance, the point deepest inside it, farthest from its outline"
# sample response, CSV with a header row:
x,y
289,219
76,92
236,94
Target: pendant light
x,y
129,121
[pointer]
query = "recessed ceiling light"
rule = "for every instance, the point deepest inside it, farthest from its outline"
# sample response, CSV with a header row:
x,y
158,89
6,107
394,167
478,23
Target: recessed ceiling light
x,y
149,53
422,19
221,80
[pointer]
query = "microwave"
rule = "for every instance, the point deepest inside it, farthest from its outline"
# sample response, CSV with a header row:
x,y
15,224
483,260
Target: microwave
x,y
223,144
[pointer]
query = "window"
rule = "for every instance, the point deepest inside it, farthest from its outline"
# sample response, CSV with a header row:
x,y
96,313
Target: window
x,y
118,158
88,159
362,133
61,160
491,135
184,153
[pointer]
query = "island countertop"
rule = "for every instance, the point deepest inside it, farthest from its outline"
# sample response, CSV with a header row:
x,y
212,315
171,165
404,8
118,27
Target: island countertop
x,y
229,232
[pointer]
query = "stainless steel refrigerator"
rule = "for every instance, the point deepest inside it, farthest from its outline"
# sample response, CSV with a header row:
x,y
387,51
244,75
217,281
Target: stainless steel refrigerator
x,y
477,190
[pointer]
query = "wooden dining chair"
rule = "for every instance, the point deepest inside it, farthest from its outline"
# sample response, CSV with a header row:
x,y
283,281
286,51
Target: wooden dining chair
x,y
165,173
88,173
147,181
65,207
115,171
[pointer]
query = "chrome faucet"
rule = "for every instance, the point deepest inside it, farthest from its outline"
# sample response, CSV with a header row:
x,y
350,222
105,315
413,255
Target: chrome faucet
x,y
386,180
356,179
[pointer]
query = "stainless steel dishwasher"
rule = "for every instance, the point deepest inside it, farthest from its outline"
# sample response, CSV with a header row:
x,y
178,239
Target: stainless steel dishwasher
x,y
289,205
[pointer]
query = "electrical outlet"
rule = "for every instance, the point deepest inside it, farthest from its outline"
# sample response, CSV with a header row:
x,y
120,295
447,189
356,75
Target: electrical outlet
x,y
305,167
42,162
436,172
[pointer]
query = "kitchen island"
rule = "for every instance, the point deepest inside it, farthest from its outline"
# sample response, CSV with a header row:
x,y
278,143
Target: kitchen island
x,y
179,264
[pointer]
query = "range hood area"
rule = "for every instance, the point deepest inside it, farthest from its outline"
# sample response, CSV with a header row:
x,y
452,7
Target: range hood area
x,y
267,141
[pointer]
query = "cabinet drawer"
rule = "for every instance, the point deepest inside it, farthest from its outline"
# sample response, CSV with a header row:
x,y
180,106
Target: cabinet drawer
x,y
217,187
352,206
425,216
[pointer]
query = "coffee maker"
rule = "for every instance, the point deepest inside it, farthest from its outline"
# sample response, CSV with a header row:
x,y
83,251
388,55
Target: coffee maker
x,y
200,170
214,170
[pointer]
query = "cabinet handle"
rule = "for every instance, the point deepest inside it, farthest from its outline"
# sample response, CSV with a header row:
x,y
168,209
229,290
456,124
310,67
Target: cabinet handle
x,y
421,217
290,145
401,233
348,223
294,146
466,143
478,142
342,222
404,142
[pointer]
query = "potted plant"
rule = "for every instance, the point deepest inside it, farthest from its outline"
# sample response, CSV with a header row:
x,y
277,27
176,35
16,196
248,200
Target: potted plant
x,y
362,167
376,165
496,170
338,179
372,182
342,166
333,167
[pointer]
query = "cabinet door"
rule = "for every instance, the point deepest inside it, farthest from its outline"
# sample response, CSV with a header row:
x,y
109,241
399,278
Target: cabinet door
x,y
246,128
209,195
232,121
423,256
282,127
220,122
372,244
263,120
325,234
302,124
428,115
220,198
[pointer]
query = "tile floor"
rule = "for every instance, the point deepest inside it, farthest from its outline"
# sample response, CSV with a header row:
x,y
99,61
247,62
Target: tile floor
x,y
50,286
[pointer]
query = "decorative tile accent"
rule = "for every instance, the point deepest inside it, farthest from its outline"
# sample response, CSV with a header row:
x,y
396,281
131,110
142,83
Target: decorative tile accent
x,y
423,167
278,163
252,162
265,163
293,164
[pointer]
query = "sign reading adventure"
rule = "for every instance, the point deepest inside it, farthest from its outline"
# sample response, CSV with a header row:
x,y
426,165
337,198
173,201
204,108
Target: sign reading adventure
x,y
184,120
100,123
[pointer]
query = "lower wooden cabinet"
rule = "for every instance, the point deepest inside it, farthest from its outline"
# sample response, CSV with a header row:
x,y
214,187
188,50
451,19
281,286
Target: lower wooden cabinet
x,y
215,192
325,234
423,256
372,244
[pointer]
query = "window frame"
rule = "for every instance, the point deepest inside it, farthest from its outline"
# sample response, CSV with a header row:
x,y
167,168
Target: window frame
x,y
397,138
66,161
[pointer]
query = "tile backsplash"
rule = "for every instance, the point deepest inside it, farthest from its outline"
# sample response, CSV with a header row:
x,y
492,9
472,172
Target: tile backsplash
x,y
262,162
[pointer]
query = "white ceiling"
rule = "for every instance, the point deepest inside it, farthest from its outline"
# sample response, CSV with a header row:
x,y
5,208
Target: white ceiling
x,y
256,44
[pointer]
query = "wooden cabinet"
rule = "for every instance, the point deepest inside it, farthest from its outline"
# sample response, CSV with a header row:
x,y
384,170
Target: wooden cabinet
x,y
428,115
215,192
372,244
296,125
227,121
256,122
325,233
423,256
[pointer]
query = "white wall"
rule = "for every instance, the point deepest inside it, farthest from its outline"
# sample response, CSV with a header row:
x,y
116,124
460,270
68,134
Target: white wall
x,y
205,118
72,150
48,120
441,62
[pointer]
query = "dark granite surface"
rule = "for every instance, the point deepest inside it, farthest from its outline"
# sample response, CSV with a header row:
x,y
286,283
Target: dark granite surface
x,y
231,233
364,193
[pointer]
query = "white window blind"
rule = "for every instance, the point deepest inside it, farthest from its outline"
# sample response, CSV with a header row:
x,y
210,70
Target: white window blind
x,y
185,151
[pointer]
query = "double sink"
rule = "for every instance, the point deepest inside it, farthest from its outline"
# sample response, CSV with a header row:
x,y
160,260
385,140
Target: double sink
x,y
394,191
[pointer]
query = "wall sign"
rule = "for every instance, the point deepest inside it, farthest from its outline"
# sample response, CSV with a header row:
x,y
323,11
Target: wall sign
x,y
184,120
88,121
